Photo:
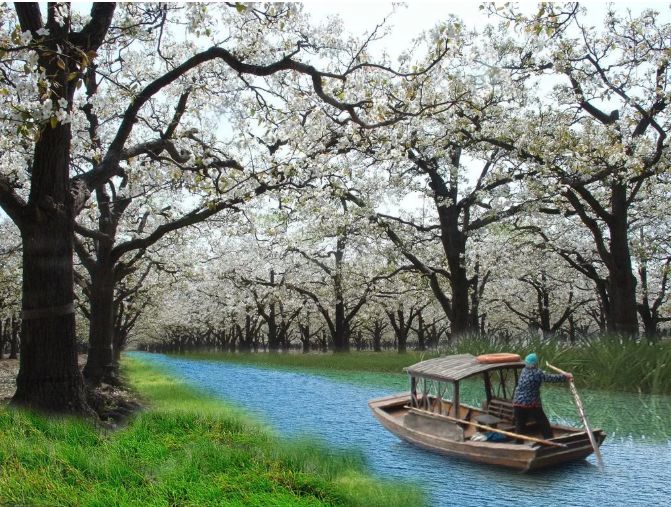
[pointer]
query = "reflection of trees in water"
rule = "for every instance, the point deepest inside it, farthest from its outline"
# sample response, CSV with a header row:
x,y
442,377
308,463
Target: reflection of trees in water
x,y
620,415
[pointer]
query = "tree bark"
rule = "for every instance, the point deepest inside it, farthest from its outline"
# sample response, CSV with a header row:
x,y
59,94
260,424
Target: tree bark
x,y
100,365
378,328
49,377
622,283
421,333
305,336
14,338
341,335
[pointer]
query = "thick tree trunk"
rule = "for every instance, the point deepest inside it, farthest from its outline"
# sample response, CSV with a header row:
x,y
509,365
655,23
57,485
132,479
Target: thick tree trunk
x,y
402,343
341,335
453,239
49,377
459,320
622,283
454,246
100,365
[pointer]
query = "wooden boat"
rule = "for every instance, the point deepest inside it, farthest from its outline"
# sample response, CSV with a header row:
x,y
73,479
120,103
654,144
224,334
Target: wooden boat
x,y
432,417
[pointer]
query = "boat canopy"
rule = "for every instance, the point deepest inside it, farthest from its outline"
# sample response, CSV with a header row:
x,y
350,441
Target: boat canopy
x,y
455,368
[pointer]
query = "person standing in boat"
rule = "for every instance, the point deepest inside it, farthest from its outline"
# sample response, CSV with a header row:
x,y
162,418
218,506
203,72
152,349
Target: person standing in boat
x,y
527,400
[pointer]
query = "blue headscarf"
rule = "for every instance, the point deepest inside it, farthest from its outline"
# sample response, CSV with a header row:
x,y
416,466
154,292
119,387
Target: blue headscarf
x,y
531,359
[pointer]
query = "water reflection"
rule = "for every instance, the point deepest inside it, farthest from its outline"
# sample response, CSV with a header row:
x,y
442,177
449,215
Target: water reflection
x,y
335,410
621,415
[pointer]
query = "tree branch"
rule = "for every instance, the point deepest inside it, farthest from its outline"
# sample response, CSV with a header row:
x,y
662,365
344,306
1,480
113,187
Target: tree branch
x,y
11,202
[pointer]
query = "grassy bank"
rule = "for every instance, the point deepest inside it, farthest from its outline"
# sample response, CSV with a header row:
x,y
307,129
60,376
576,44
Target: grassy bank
x,y
377,362
186,449
604,363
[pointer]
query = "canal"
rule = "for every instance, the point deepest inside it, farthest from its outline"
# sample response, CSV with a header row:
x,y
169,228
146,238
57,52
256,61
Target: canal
x,y
333,408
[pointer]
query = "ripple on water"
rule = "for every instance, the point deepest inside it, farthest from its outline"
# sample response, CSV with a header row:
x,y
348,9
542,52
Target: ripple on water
x,y
637,451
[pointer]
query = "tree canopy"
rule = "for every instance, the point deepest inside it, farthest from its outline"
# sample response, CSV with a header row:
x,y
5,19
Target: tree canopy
x,y
236,176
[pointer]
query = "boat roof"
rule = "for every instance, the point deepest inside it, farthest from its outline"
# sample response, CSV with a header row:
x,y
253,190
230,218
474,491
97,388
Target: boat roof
x,y
454,368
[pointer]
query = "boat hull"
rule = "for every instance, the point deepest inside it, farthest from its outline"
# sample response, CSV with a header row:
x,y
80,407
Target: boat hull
x,y
391,412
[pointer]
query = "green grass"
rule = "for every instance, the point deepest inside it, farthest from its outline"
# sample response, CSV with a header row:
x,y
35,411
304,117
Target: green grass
x,y
602,363
378,362
187,449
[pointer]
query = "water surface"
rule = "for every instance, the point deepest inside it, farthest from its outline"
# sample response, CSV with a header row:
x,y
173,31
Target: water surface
x,y
637,451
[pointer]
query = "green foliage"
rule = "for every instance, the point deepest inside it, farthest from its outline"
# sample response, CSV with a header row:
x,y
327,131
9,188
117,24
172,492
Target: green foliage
x,y
186,450
604,362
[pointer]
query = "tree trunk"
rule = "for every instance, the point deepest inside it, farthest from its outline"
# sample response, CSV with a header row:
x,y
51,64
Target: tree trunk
x,y
421,333
477,288
544,306
324,342
649,322
273,334
49,377
459,320
453,239
100,365
116,351
378,328
14,338
243,346
3,336
305,337
401,328
341,336
454,246
271,321
622,283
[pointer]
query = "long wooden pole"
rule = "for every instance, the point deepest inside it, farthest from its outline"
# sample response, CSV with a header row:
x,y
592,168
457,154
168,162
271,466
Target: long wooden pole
x,y
488,428
581,411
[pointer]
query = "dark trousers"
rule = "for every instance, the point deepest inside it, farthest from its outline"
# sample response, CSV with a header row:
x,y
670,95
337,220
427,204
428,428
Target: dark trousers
x,y
523,414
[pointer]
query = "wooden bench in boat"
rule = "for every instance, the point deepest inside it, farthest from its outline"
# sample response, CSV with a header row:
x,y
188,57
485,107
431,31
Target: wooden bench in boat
x,y
502,409
499,413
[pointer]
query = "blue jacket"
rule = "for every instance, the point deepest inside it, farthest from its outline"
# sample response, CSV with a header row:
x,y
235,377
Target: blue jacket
x,y
528,391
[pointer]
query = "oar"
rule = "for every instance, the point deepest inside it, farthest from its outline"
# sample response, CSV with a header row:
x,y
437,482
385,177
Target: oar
x,y
581,411
488,428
